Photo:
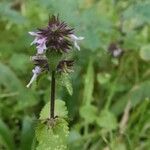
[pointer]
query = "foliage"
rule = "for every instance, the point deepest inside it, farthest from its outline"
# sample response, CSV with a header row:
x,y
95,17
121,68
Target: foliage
x,y
108,101
52,134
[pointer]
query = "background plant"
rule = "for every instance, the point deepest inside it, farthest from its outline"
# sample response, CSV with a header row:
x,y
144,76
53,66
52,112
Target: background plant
x,y
109,107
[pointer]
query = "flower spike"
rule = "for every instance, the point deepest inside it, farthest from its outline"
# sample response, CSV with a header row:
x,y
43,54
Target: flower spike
x,y
56,37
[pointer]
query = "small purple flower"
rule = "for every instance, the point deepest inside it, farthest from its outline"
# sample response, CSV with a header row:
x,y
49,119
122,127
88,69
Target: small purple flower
x,y
75,39
36,71
39,41
57,36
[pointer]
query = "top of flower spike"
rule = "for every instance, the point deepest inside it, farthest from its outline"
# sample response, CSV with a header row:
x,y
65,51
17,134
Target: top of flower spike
x,y
57,36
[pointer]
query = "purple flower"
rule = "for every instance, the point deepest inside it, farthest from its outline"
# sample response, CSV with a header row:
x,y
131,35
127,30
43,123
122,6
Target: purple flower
x,y
57,36
39,41
36,71
75,39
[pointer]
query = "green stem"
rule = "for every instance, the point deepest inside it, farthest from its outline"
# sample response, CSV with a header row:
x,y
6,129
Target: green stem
x,y
52,103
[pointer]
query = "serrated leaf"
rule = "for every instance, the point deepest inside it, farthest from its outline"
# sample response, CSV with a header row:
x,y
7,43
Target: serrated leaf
x,y
88,112
64,80
68,85
53,137
107,120
60,110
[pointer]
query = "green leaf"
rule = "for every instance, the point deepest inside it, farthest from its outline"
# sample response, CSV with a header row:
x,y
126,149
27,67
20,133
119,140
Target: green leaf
x,y
6,136
88,112
88,84
60,110
27,134
107,120
145,52
64,80
53,137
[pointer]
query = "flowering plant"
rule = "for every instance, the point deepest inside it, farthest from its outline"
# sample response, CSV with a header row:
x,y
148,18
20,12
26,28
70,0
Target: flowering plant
x,y
51,43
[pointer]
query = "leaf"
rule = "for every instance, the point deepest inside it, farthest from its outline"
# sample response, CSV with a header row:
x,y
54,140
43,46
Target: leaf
x,y
27,134
88,84
6,136
145,52
88,112
53,137
107,120
64,80
60,110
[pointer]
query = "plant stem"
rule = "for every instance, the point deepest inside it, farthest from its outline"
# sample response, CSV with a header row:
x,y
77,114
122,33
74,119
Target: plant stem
x,y
52,103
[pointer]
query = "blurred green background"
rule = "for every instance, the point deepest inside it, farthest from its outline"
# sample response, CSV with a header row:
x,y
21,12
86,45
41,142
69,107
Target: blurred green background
x,y
110,105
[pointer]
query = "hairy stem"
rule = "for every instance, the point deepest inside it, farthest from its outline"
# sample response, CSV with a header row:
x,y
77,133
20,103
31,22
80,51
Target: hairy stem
x,y
52,103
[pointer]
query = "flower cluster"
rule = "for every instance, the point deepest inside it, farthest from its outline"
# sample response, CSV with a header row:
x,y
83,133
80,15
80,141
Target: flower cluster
x,y
57,37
